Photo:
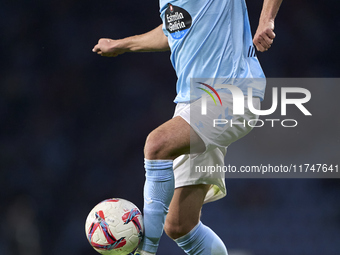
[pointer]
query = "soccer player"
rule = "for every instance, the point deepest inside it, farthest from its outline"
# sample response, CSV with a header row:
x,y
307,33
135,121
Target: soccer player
x,y
208,39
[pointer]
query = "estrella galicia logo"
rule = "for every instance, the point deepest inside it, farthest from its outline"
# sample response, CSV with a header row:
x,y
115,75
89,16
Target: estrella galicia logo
x,y
209,93
177,21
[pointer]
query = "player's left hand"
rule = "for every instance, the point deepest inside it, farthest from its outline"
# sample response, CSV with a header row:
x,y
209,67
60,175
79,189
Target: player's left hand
x,y
264,36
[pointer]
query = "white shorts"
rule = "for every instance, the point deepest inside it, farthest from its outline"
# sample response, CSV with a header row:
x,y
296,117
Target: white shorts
x,y
216,140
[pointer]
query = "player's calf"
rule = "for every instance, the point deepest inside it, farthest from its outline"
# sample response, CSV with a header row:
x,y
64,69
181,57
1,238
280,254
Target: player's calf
x,y
158,192
177,230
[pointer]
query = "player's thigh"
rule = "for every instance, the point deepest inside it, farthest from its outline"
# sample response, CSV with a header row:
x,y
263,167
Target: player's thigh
x,y
172,139
185,209
220,126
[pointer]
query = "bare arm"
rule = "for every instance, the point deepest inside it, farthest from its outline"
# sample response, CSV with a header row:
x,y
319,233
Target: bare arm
x,y
265,35
154,40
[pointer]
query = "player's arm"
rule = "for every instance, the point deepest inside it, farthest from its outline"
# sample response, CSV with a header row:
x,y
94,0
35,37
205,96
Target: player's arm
x,y
154,40
265,35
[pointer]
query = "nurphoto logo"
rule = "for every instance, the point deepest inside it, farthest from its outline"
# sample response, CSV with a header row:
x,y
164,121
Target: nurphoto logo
x,y
239,104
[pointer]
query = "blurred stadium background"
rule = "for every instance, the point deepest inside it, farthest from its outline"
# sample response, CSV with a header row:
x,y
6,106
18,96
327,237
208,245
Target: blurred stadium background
x,y
73,126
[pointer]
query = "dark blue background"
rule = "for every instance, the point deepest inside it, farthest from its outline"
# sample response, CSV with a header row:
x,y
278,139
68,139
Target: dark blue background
x,y
73,126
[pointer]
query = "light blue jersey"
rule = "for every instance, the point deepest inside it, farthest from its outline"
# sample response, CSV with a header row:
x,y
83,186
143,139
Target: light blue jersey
x,y
211,39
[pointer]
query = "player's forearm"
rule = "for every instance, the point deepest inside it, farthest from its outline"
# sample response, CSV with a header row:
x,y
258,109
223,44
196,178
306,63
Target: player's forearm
x,y
270,9
154,40
264,36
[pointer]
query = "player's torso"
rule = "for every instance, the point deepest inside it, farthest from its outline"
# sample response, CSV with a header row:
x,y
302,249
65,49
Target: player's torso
x,y
208,39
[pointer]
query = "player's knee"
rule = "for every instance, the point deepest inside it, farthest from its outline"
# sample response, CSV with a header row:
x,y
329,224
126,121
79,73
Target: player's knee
x,y
175,231
155,147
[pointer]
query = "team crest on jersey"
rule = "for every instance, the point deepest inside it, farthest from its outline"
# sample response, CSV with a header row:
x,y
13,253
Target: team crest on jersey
x,y
177,21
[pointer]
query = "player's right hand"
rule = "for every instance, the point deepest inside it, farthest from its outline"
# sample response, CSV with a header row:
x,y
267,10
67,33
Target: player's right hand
x,y
109,48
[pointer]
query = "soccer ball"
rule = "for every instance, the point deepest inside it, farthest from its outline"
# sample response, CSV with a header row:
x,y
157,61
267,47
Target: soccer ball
x,y
114,227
